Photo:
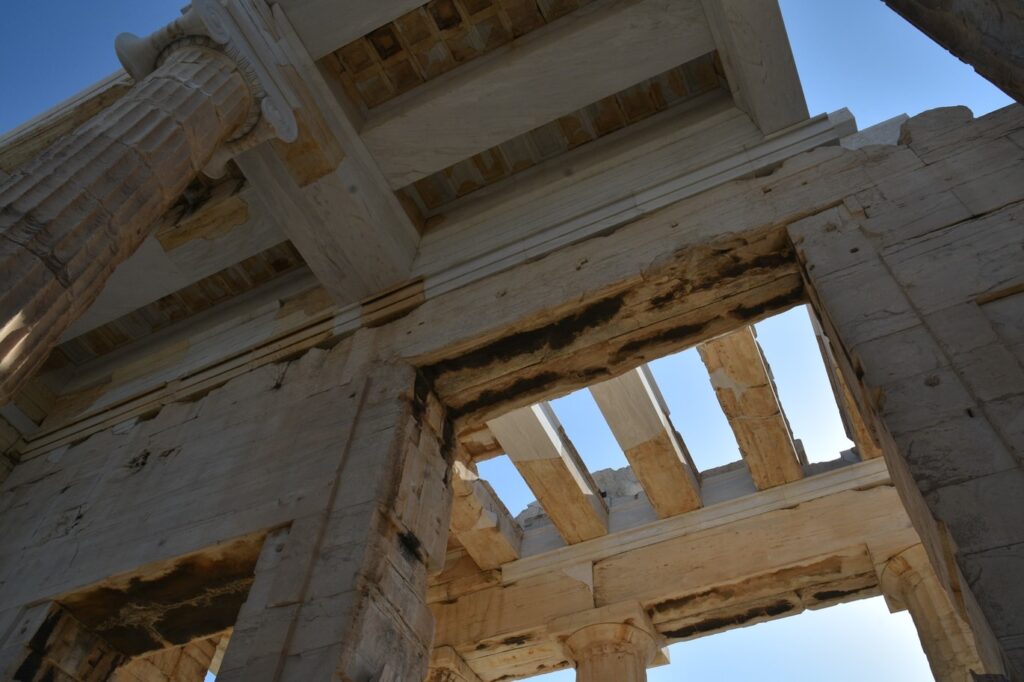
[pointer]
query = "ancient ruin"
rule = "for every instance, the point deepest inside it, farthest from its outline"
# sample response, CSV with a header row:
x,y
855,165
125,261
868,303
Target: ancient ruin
x,y
273,292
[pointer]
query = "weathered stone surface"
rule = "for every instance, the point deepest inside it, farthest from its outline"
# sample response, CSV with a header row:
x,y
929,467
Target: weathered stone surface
x,y
73,214
983,33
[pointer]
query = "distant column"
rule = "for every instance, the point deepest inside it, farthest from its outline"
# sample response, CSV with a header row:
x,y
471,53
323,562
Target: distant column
x,y
612,652
947,640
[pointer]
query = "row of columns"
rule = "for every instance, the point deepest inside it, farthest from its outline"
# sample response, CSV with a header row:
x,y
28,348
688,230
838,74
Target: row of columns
x,y
618,644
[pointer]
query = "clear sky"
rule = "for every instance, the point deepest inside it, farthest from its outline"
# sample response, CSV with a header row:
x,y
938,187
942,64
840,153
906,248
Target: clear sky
x,y
850,53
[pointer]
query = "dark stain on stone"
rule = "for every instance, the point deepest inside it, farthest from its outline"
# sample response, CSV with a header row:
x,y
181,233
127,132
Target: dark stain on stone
x,y
516,641
42,635
186,598
680,602
448,442
420,392
673,335
772,305
136,463
33,662
712,624
489,397
527,386
770,261
554,336
184,623
132,640
828,595
411,546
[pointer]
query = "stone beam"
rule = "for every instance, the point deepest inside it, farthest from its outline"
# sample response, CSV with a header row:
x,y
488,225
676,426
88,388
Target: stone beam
x,y
325,25
44,642
481,522
984,33
447,666
812,543
603,47
636,413
758,61
746,391
536,443
327,193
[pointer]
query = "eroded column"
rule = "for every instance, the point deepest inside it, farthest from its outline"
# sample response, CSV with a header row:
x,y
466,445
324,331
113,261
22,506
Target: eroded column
x,y
614,643
612,652
69,217
947,640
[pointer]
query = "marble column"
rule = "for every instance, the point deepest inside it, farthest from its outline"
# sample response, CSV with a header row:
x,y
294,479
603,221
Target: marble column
x,y
908,580
71,215
612,652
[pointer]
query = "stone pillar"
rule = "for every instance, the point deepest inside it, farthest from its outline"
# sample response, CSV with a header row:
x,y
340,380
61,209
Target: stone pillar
x,y
615,643
918,282
342,594
73,214
70,216
908,580
612,652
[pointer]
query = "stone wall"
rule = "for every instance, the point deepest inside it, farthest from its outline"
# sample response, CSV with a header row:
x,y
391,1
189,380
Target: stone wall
x,y
921,278
305,500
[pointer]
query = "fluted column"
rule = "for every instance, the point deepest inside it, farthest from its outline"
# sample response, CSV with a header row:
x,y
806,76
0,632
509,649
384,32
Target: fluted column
x,y
947,640
208,86
612,652
69,217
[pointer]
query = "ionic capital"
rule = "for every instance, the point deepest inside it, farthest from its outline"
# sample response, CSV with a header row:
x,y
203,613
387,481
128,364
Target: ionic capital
x,y
243,31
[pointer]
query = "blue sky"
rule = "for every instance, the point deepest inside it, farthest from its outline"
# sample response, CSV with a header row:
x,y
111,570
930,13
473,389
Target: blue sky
x,y
850,53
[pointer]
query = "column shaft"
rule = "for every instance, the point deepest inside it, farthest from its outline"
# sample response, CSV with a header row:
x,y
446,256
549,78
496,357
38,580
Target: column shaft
x,y
608,652
946,638
69,217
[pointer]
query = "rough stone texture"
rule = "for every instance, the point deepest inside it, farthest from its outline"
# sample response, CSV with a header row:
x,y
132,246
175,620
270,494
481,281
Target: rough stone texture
x,y
341,594
612,652
984,33
49,645
342,461
945,636
937,353
186,663
73,214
